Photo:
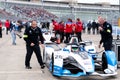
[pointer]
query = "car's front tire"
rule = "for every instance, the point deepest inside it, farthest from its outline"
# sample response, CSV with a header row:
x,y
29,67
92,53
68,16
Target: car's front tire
x,y
44,56
52,63
104,61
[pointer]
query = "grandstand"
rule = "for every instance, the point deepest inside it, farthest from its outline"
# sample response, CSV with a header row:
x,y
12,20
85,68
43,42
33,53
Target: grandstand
x,y
64,9
6,15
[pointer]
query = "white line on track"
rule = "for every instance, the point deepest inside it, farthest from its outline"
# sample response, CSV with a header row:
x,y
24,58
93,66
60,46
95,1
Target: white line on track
x,y
20,72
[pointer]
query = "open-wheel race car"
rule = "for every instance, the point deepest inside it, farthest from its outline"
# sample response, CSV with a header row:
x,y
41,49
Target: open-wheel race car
x,y
77,59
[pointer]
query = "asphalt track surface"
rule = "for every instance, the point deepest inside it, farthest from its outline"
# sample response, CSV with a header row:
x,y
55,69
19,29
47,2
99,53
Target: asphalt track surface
x,y
12,58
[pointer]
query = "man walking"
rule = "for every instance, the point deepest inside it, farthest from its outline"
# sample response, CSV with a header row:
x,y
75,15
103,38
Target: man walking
x,y
33,36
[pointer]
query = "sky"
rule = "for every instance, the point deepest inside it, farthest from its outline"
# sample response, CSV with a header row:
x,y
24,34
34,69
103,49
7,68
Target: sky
x,y
95,1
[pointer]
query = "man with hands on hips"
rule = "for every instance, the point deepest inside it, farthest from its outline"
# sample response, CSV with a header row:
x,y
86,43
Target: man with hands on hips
x,y
33,37
106,34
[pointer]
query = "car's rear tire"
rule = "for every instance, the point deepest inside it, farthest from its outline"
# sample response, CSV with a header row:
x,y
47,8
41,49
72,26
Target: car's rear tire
x,y
104,61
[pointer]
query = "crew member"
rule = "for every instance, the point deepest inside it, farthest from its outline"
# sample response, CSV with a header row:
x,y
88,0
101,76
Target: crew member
x,y
55,27
68,29
78,29
7,25
106,33
61,26
0,29
33,36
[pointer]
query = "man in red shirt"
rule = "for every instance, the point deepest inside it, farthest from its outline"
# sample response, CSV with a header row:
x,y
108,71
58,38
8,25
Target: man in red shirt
x,y
78,29
0,29
7,25
68,29
61,27
55,26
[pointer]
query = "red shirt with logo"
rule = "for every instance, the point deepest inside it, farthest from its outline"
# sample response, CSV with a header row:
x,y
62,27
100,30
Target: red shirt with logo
x,y
61,27
7,24
0,24
56,25
69,27
78,26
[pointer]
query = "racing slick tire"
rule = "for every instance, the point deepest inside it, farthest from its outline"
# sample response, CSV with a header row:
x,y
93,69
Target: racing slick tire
x,y
44,57
104,61
52,63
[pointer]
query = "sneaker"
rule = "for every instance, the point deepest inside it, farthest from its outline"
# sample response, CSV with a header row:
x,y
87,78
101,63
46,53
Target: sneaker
x,y
42,67
28,67
20,37
13,43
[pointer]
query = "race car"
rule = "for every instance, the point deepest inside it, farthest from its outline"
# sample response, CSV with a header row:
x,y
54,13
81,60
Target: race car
x,y
72,60
108,62
68,61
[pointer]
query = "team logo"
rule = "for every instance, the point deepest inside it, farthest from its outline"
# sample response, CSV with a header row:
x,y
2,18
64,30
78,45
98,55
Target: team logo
x,y
108,26
30,32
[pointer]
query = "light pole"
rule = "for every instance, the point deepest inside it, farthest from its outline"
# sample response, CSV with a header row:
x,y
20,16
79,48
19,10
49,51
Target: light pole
x,y
42,1
119,15
75,8
72,5
119,7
